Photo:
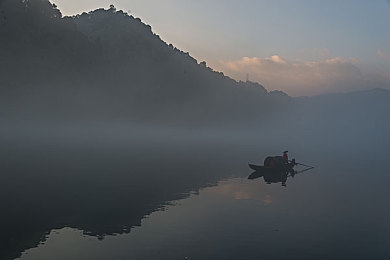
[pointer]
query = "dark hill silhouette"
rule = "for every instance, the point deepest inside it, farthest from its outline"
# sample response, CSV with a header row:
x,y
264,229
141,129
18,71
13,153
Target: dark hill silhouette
x,y
108,64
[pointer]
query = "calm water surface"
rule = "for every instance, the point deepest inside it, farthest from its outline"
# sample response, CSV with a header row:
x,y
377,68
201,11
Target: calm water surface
x,y
243,219
176,199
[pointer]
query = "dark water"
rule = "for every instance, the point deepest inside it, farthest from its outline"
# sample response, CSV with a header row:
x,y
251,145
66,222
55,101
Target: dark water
x,y
174,196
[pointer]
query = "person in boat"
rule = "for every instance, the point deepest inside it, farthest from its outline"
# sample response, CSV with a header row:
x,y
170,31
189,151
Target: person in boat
x,y
288,165
285,157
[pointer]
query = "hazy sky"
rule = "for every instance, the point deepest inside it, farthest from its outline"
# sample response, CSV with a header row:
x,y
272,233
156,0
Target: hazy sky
x,y
302,47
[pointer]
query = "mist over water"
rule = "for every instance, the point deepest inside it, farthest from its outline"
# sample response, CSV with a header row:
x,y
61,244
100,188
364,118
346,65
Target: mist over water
x,y
103,179
115,144
101,185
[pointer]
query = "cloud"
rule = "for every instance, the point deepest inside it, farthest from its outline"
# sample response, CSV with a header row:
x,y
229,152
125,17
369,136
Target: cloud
x,y
383,54
300,77
277,59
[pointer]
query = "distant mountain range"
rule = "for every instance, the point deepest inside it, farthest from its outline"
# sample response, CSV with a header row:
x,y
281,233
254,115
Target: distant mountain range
x,y
106,64
361,113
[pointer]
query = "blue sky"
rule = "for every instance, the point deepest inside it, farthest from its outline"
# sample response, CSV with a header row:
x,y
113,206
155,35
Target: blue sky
x,y
303,47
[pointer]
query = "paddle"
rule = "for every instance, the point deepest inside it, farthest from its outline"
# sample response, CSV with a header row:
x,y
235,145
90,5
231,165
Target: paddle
x,y
296,172
305,165
302,164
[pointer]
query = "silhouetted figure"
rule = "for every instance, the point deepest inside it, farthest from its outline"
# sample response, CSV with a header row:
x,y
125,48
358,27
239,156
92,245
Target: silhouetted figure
x,y
287,164
285,156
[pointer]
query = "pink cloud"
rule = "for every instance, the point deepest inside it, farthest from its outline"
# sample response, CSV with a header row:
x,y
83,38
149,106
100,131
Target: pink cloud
x,y
299,77
383,54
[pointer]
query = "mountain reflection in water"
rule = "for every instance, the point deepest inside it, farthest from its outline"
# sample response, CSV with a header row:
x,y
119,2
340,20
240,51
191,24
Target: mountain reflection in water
x,y
243,219
87,194
98,186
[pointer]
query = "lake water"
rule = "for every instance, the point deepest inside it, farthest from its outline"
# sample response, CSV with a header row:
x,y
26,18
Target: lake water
x,y
91,196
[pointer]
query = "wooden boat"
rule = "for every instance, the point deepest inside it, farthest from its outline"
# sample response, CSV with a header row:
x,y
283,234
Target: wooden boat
x,y
274,164
275,169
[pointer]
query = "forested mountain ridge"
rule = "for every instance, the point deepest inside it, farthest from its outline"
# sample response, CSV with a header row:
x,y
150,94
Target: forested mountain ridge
x,y
108,64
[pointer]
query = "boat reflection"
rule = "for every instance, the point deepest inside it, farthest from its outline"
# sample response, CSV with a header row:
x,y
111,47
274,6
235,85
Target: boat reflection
x,y
271,177
275,175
